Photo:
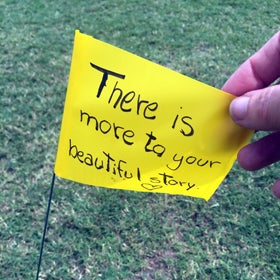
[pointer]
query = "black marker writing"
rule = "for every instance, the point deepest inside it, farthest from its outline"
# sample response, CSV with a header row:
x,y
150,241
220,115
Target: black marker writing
x,y
157,149
104,161
185,127
106,127
105,72
190,160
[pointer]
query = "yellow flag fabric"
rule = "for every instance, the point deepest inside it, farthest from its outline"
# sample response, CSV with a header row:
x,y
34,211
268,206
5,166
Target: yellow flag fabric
x,y
131,124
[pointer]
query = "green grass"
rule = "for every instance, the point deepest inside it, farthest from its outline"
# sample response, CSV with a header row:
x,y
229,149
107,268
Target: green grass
x,y
97,233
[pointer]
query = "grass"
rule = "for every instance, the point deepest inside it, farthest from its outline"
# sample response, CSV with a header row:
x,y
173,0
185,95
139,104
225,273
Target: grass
x,y
97,233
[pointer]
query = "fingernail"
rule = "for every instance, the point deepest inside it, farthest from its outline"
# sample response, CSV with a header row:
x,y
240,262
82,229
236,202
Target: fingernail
x,y
239,107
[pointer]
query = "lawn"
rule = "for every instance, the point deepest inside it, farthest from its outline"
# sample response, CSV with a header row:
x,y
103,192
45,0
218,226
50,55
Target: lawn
x,y
98,233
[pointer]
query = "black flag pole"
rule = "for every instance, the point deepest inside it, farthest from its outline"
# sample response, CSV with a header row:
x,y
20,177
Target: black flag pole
x,y
45,227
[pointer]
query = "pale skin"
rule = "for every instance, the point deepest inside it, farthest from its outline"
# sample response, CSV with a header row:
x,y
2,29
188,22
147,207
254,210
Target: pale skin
x,y
257,106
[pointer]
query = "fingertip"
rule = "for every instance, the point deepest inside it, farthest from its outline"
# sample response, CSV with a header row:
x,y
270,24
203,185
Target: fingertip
x,y
245,160
276,189
238,108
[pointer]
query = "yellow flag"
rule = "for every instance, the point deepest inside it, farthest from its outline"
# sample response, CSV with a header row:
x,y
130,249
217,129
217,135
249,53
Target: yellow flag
x,y
131,124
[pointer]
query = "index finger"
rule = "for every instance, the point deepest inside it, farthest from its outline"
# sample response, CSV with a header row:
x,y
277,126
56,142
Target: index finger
x,y
259,71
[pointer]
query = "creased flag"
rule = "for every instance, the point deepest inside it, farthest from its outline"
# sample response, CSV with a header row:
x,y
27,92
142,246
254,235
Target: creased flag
x,y
131,124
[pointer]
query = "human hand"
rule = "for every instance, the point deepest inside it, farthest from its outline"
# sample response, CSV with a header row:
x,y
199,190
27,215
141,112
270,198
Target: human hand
x,y
257,105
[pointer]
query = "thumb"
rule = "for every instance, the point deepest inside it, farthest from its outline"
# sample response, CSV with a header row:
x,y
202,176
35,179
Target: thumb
x,y
258,109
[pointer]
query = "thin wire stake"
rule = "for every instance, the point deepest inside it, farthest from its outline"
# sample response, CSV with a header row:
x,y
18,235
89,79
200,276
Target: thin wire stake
x,y
45,227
